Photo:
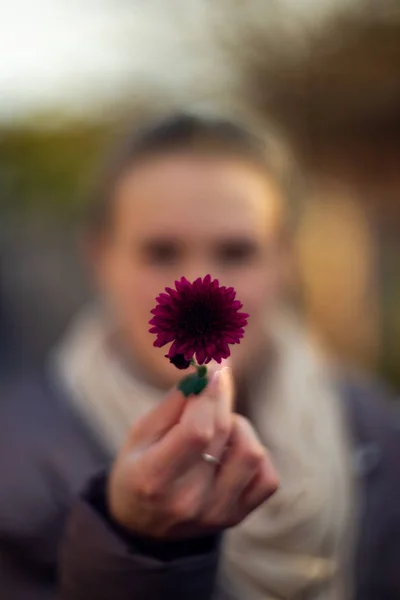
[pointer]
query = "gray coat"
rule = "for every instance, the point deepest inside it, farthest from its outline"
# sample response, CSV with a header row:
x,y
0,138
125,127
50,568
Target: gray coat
x,y
47,456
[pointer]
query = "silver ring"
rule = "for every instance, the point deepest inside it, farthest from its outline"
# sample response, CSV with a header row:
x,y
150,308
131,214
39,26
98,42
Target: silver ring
x,y
209,458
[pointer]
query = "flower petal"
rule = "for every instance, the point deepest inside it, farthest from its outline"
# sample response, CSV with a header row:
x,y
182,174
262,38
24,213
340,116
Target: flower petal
x,y
200,355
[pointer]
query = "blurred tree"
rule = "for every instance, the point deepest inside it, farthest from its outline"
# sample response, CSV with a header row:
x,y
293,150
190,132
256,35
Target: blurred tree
x,y
45,169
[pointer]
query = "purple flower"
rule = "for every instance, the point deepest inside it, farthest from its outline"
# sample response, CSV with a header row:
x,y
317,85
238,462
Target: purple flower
x,y
201,319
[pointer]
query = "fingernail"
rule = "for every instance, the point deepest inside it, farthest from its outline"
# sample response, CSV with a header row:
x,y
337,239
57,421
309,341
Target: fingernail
x,y
216,377
215,382
226,375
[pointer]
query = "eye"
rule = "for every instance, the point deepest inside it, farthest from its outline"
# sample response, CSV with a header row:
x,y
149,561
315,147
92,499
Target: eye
x,y
161,252
236,252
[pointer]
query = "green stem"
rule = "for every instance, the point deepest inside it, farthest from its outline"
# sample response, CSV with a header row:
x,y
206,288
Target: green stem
x,y
201,370
195,383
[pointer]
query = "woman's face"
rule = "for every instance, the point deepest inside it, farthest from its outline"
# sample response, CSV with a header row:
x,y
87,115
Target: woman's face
x,y
187,215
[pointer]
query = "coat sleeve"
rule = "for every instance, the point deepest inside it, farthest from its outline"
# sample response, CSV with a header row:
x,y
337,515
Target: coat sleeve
x,y
101,562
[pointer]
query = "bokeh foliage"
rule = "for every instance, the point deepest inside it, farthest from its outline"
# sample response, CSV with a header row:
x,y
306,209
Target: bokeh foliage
x,y
48,170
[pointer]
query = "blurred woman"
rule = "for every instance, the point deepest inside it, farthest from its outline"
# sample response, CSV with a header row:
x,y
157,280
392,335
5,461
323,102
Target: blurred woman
x,y
191,197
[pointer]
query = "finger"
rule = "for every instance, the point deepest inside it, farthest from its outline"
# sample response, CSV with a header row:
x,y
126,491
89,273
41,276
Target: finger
x,y
241,461
201,409
238,469
182,446
262,487
157,422
201,475
223,414
220,394
225,397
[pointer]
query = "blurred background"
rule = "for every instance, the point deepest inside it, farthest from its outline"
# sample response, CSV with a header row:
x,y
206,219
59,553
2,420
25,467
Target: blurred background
x,y
74,72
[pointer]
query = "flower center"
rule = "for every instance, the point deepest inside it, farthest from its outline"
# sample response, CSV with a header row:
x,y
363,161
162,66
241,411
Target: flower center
x,y
199,319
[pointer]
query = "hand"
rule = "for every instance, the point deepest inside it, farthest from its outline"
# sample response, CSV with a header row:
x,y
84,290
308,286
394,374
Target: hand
x,y
161,486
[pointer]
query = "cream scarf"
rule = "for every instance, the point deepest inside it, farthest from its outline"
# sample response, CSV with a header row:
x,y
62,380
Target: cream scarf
x,y
298,545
